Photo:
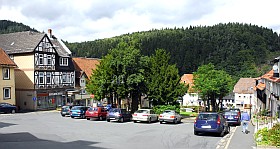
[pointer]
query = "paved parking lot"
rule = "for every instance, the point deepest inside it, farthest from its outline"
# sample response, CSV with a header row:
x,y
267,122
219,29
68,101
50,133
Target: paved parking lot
x,y
50,130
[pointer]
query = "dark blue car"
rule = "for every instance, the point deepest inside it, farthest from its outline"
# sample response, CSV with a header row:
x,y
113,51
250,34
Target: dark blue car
x,y
117,114
7,108
232,118
210,122
78,111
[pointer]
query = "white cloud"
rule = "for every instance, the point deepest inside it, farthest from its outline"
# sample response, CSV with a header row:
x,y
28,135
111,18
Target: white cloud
x,y
76,20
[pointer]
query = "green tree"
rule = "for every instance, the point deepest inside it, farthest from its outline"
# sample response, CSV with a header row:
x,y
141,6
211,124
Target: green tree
x,y
163,80
212,84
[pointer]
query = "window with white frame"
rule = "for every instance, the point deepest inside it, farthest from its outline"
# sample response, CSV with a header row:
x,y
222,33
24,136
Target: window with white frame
x,y
63,61
6,73
41,59
41,77
7,92
49,60
48,79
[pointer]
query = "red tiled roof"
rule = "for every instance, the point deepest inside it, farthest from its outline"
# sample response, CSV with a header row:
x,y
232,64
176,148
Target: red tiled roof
x,y
261,86
187,79
85,64
5,59
269,76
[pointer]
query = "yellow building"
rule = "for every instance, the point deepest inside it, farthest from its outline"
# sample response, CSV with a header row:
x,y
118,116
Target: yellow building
x,y
7,79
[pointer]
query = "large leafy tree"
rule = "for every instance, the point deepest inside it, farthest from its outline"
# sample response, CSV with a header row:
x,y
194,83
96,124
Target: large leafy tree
x,y
121,73
212,84
163,80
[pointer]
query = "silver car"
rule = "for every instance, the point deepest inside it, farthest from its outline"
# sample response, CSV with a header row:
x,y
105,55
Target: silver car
x,y
170,116
146,115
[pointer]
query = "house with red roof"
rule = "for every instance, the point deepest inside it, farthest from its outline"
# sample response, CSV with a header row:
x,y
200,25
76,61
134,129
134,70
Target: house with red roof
x,y
7,79
268,90
191,98
83,71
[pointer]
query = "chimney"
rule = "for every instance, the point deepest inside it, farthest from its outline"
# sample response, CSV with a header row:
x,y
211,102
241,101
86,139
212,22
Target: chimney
x,y
50,33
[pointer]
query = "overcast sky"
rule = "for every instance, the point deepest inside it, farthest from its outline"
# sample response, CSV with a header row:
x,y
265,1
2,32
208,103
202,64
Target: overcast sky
x,y
87,20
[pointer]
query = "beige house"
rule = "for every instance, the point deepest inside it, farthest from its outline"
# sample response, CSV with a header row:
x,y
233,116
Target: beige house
x,y
7,79
45,72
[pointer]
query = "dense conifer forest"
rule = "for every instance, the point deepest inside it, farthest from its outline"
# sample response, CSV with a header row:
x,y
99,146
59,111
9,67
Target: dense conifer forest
x,y
242,50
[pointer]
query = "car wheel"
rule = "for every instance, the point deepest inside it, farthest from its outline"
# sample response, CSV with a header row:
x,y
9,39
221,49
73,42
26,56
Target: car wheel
x,y
88,118
108,120
160,122
195,132
101,118
150,120
134,121
63,115
175,121
13,111
121,120
72,116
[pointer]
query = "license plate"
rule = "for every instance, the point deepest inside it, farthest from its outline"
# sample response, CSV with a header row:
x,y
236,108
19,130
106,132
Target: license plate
x,y
206,126
230,117
63,112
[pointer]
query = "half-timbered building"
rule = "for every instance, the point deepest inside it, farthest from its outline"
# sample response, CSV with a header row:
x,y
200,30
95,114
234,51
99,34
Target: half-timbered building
x,y
45,72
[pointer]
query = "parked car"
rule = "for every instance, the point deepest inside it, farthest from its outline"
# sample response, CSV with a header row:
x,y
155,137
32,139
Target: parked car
x,y
170,116
7,108
78,111
65,110
236,110
96,113
146,115
211,122
118,114
232,117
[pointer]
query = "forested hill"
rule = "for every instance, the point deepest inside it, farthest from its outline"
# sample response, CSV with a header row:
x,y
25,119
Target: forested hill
x,y
7,26
243,50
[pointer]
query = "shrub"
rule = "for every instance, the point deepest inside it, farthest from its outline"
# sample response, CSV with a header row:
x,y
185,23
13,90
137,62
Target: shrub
x,y
160,108
269,136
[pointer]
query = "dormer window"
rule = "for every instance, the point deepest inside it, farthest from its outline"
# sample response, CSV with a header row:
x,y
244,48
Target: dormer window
x,y
63,61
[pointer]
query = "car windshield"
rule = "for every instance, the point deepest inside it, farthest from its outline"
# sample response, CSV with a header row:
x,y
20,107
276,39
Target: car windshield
x,y
114,110
234,110
168,112
209,117
231,113
142,111
76,108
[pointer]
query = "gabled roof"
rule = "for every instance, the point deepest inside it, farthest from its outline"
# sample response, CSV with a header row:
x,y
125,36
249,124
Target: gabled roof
x,y
245,86
25,42
20,42
5,59
85,65
188,79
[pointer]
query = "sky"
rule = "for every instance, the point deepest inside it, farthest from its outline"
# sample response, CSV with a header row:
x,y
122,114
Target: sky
x,y
88,20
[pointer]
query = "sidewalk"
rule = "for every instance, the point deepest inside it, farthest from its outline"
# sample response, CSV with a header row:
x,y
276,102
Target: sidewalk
x,y
243,141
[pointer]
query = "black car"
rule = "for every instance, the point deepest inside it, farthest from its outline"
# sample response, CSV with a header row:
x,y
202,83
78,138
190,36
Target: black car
x,y
65,110
210,122
7,108
232,117
118,114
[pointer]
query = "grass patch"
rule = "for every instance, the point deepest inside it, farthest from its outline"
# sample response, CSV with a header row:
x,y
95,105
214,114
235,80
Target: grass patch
x,y
188,114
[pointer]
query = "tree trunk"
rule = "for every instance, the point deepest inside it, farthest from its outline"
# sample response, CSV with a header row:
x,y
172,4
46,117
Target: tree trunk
x,y
134,102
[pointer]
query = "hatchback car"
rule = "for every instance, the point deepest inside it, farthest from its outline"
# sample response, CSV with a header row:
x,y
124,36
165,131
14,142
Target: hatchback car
x,y
145,115
65,110
118,114
211,122
7,108
170,116
96,113
232,118
78,111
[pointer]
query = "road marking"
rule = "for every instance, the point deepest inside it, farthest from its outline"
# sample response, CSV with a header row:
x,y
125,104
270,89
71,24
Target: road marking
x,y
234,129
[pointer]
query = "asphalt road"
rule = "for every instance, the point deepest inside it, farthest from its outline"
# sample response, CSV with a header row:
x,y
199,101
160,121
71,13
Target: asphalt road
x,y
48,130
